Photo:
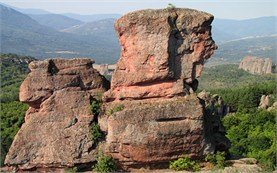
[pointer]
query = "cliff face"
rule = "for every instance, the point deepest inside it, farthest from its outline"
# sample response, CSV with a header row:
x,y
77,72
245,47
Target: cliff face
x,y
162,52
161,118
56,132
256,65
150,115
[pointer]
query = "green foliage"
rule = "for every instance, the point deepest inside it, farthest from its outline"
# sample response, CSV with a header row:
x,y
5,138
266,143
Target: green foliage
x,y
253,135
12,117
229,76
115,109
218,159
246,99
184,164
14,69
95,107
170,6
71,170
104,164
96,133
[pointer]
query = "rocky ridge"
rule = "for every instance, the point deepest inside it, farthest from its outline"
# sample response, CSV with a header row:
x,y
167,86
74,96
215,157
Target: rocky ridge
x,y
256,65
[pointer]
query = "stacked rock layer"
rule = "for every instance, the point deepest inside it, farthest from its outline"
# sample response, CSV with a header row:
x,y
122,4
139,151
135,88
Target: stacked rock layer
x,y
56,132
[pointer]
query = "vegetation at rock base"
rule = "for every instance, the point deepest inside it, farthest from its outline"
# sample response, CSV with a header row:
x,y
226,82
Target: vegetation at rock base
x,y
253,135
184,164
252,131
71,170
14,69
218,159
116,108
104,164
12,117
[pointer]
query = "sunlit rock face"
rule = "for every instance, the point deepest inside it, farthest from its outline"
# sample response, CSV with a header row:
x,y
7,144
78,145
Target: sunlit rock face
x,y
160,118
256,65
56,132
162,53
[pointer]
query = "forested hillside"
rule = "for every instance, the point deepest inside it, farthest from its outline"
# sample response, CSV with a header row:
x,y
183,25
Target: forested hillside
x,y
14,69
229,76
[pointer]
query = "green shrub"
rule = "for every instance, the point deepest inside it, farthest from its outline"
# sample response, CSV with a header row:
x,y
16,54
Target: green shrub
x,y
218,159
71,170
96,133
253,135
170,6
95,107
104,164
115,109
184,164
12,117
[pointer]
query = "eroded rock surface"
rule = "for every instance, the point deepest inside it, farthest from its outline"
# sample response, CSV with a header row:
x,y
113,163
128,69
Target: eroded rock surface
x,y
162,53
256,65
151,114
56,132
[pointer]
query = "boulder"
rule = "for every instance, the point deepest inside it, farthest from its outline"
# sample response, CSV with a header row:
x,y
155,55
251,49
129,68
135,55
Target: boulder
x,y
264,102
56,132
162,53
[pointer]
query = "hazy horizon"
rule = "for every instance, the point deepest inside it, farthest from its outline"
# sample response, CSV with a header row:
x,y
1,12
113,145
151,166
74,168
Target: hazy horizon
x,y
237,10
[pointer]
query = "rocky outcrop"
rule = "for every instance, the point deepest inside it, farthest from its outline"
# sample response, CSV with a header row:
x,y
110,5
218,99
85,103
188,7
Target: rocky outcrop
x,y
56,132
151,114
256,65
162,53
264,102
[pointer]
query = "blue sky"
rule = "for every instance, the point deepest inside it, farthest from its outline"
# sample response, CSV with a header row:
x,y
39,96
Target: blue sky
x,y
228,9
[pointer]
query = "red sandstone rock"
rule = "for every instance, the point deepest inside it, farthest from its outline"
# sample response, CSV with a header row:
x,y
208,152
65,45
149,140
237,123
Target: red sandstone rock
x,y
56,132
256,65
149,115
160,49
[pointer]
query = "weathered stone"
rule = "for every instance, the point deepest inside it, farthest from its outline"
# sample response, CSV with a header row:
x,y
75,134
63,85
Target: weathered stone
x,y
163,52
56,132
256,65
264,102
155,131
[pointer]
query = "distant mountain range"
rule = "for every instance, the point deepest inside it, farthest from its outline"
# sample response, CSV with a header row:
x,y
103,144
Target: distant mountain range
x,y
55,21
226,29
42,34
23,35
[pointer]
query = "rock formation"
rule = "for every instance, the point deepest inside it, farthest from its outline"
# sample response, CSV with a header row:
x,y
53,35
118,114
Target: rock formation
x,y
162,52
150,114
256,65
56,132
264,102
